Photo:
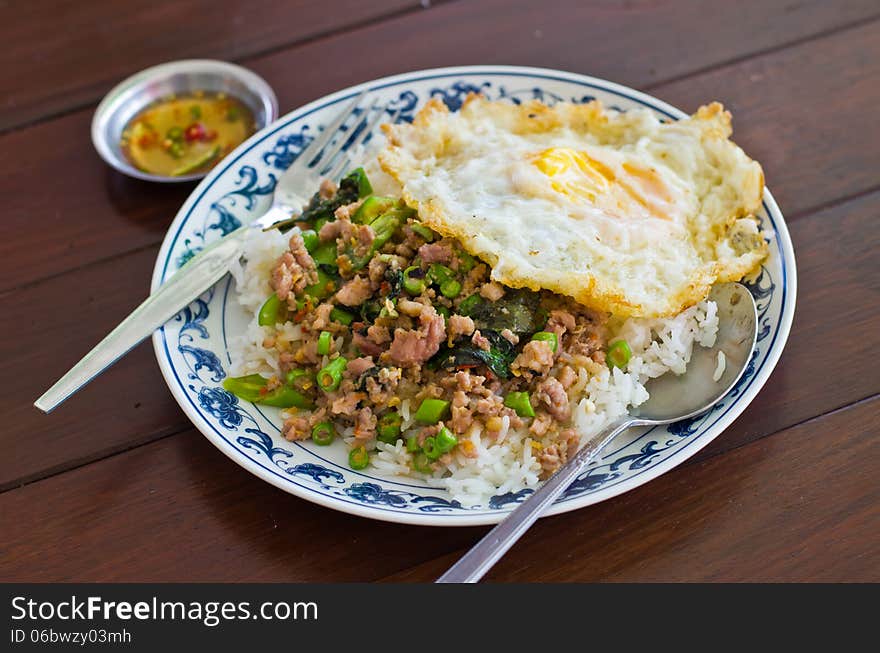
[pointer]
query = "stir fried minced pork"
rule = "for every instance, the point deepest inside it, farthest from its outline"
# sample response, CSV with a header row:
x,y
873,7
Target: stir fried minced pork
x,y
389,311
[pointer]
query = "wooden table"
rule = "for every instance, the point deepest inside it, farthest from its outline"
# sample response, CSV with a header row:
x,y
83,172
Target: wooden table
x,y
117,484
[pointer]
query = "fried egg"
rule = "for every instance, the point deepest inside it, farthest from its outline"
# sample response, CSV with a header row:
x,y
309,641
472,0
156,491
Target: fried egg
x,y
618,210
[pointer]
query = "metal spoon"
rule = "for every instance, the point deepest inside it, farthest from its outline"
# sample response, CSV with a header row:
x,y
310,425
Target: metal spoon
x,y
673,398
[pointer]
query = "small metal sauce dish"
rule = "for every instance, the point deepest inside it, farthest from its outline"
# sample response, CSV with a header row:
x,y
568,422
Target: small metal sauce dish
x,y
131,96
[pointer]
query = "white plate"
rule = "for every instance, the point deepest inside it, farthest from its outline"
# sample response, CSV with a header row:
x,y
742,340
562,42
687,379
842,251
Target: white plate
x,y
192,352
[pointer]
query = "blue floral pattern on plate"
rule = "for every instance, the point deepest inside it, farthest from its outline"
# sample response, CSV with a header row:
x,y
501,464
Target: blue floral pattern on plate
x,y
192,347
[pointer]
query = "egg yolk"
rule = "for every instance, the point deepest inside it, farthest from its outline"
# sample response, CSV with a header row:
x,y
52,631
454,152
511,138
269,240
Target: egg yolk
x,y
633,193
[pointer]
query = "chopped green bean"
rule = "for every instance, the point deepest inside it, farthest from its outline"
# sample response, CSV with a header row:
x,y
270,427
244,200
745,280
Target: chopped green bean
x,y
358,458
422,231
325,253
549,337
414,280
430,448
372,208
323,433
270,311
384,227
439,273
450,288
299,379
324,341
246,387
445,440
520,403
343,317
310,239
325,286
253,388
432,411
285,397
412,443
330,375
618,354
466,262
388,428
442,310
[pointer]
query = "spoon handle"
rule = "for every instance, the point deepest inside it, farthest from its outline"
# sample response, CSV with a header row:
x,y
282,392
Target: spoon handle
x,y
480,559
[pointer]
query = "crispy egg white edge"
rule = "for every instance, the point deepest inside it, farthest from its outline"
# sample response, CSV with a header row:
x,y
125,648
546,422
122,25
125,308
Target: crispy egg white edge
x,y
731,245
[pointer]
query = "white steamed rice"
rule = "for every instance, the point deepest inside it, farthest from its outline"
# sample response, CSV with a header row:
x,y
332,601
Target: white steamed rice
x,y
507,463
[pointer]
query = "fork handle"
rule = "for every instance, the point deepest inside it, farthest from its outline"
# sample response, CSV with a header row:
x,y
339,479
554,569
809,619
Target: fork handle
x,y
481,558
197,275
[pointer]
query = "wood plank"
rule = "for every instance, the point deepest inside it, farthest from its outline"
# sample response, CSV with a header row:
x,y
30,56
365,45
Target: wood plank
x,y
179,510
811,157
749,507
126,508
806,118
65,208
838,304
827,361
802,505
639,44
46,71
60,321
63,54
789,106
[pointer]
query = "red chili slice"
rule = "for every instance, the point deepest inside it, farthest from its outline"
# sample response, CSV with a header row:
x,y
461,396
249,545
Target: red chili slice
x,y
195,132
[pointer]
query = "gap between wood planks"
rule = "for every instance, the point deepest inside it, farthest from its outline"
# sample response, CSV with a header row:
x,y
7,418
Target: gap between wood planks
x,y
125,238
424,5
63,469
178,495
79,106
52,471
161,433
118,255
831,31
639,538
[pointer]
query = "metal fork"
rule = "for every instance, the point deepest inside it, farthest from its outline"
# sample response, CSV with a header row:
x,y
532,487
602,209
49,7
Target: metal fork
x,y
326,157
